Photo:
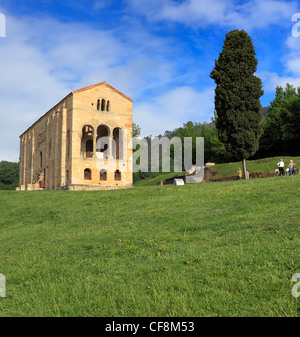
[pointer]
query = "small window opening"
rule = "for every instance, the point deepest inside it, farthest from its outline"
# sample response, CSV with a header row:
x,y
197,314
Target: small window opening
x,y
89,149
87,174
118,175
103,105
103,175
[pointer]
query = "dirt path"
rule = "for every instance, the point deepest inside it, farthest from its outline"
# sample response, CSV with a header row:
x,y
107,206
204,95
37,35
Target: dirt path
x,y
209,176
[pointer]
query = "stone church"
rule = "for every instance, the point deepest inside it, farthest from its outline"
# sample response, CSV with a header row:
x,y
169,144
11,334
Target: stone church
x,y
82,143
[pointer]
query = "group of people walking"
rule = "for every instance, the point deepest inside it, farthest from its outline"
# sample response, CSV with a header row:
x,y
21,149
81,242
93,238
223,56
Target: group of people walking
x,y
290,170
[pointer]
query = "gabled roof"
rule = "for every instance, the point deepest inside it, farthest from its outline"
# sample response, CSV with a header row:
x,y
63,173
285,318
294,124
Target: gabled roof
x,y
98,85
77,91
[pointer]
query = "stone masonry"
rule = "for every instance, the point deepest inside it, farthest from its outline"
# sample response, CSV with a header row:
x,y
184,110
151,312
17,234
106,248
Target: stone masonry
x,y
82,143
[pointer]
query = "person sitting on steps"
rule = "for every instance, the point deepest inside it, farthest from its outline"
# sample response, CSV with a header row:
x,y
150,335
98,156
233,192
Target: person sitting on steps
x,y
239,174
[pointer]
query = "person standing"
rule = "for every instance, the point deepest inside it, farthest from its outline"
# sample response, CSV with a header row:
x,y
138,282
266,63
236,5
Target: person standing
x,y
291,167
281,167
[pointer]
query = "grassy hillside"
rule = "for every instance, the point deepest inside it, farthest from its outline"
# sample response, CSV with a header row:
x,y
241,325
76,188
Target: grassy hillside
x,y
226,249
155,180
264,166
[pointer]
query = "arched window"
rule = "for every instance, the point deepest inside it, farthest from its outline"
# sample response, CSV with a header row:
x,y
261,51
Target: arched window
x,y
87,143
98,104
102,141
103,105
108,106
41,159
118,143
87,174
118,176
103,175
89,148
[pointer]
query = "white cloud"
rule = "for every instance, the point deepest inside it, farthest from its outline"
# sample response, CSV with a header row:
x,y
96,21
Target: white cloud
x,y
293,44
42,60
271,80
173,108
201,13
293,65
100,4
291,59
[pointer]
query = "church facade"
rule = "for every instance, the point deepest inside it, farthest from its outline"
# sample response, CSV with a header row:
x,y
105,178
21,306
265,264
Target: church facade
x,y
82,143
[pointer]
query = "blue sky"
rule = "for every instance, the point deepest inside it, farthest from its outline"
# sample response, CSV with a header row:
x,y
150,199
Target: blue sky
x,y
158,52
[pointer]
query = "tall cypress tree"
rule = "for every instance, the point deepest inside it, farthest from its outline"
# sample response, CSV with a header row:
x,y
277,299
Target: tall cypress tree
x,y
237,104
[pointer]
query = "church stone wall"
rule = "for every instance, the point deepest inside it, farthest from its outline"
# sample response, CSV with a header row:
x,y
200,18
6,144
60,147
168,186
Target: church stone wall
x,y
53,151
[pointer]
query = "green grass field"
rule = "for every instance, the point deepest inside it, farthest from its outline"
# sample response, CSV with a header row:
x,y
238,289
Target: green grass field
x,y
214,249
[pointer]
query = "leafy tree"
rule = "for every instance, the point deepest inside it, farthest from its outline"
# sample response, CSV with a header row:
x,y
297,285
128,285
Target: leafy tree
x,y
238,109
271,140
291,125
214,149
282,124
9,175
136,130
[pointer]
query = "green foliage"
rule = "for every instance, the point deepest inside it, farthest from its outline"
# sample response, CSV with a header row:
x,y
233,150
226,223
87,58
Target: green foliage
x,y
214,149
9,175
215,249
238,109
282,124
136,130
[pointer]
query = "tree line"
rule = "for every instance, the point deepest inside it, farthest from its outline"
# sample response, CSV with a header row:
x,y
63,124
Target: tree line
x,y
281,127
280,130
9,175
239,130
